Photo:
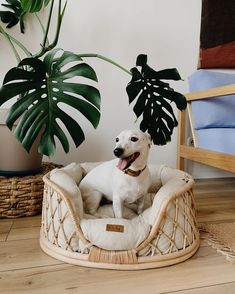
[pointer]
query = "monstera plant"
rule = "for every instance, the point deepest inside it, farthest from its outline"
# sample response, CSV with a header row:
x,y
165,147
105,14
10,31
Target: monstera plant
x,y
45,81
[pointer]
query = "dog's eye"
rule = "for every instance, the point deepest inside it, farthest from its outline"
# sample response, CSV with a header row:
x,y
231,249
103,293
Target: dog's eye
x,y
117,140
134,139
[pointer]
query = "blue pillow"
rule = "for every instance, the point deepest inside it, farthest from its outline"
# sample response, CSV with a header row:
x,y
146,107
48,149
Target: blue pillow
x,y
218,112
219,139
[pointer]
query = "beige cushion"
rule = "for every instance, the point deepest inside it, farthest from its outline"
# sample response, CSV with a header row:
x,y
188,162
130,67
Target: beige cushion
x,y
165,181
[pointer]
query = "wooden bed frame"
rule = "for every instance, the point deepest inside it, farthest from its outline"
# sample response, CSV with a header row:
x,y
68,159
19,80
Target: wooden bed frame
x,y
215,159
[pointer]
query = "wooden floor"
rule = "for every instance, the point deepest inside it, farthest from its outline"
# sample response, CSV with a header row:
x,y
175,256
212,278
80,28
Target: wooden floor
x,y
24,268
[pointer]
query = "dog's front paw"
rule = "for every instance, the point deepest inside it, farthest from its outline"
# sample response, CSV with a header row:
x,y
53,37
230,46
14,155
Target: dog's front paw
x,y
140,205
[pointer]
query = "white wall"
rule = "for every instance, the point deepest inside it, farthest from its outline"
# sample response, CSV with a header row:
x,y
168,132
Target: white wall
x,y
166,30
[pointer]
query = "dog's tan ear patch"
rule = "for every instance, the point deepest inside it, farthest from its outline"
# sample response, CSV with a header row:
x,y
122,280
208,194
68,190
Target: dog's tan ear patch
x,y
149,139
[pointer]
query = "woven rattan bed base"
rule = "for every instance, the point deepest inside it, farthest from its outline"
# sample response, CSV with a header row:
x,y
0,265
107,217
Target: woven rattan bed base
x,y
173,238
147,262
22,196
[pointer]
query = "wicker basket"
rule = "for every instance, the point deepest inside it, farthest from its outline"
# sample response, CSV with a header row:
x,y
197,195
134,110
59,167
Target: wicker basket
x,y
177,205
22,196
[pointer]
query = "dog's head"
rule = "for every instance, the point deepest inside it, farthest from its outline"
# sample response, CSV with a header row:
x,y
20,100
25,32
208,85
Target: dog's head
x,y
132,145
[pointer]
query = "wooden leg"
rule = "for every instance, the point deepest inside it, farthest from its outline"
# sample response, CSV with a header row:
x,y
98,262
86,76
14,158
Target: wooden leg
x,y
181,140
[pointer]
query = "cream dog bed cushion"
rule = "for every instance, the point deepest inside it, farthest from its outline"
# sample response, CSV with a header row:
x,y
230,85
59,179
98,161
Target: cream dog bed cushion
x,y
135,228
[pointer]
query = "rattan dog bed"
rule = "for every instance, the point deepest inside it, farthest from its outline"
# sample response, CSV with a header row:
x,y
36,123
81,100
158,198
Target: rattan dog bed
x,y
22,195
173,235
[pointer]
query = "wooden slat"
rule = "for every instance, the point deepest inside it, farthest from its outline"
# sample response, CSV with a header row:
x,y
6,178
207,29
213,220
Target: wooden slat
x,y
214,289
5,227
212,92
23,233
205,268
19,254
212,158
27,222
181,139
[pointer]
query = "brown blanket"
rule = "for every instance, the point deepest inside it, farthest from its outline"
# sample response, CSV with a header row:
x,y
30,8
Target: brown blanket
x,y
217,38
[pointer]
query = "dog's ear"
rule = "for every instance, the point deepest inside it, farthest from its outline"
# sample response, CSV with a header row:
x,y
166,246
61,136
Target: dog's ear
x,y
149,139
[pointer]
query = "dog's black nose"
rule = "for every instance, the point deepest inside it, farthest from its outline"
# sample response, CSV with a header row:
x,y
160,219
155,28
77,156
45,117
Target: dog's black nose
x,y
118,152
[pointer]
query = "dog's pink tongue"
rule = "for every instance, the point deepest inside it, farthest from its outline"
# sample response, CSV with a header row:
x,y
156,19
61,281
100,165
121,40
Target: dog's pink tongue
x,y
122,163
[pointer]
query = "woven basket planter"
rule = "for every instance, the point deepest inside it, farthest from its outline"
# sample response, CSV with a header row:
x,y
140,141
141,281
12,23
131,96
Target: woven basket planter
x,y
22,196
176,210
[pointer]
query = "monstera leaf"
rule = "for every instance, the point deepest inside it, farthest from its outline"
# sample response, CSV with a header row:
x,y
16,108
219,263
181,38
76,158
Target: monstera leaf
x,y
45,87
15,15
33,5
153,97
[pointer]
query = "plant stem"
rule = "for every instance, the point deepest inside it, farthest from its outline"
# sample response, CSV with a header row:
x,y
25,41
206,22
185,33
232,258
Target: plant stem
x,y
45,45
17,56
59,22
48,25
19,44
44,48
105,59
42,27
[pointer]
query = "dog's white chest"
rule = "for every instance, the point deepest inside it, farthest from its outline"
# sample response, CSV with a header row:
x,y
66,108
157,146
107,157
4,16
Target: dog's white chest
x,y
129,188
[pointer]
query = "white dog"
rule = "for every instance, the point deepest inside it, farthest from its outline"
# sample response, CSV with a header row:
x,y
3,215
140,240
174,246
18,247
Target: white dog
x,y
125,179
